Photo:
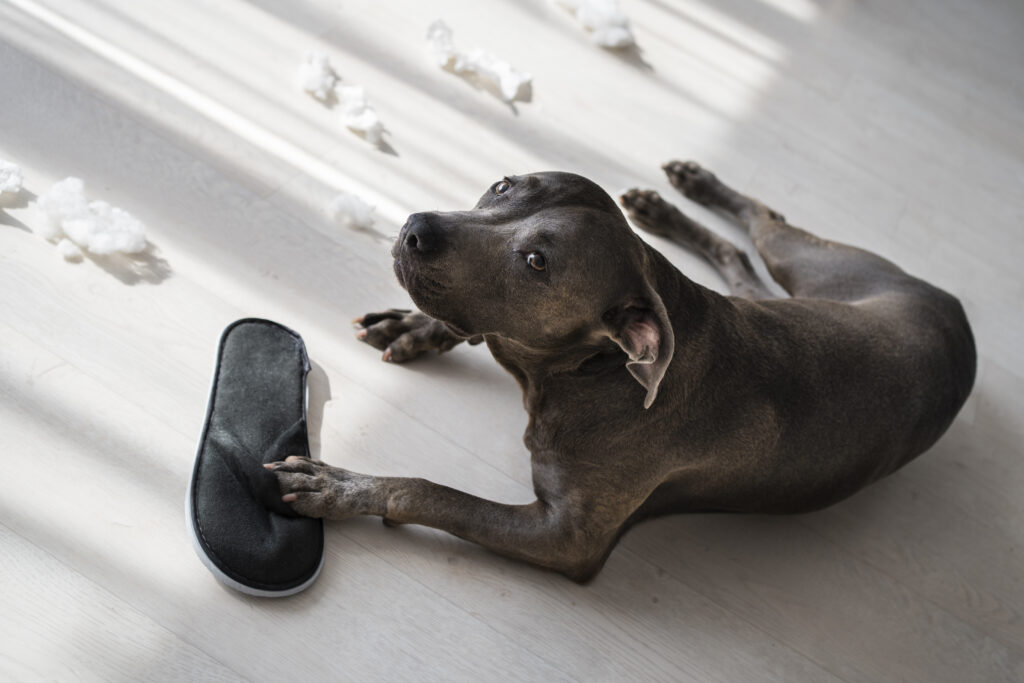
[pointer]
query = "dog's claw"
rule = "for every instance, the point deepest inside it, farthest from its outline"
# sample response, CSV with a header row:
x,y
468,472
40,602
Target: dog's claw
x,y
315,489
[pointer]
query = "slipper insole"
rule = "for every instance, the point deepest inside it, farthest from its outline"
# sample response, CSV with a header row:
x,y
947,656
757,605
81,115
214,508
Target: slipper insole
x,y
241,529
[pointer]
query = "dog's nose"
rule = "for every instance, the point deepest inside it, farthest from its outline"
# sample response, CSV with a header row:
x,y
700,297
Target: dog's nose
x,y
420,234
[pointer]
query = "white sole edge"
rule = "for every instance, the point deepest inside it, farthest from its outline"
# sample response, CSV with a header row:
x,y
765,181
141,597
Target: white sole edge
x,y
227,580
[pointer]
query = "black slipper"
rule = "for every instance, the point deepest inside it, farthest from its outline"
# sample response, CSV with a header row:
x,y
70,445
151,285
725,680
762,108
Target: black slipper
x,y
240,528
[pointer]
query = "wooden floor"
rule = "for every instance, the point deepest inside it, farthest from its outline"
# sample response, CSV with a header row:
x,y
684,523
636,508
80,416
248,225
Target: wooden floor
x,y
893,126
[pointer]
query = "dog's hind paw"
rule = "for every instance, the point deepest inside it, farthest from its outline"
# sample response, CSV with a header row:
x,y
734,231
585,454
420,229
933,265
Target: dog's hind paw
x,y
697,183
647,209
404,335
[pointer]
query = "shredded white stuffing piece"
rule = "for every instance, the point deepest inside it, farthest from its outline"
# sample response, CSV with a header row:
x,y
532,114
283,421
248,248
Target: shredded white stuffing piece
x,y
350,211
511,83
69,250
64,215
65,199
359,115
10,178
607,24
316,76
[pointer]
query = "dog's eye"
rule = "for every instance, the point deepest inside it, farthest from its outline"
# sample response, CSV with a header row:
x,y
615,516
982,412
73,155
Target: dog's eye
x,y
502,186
536,260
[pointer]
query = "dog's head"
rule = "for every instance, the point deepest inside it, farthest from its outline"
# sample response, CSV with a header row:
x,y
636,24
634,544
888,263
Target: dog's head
x,y
546,260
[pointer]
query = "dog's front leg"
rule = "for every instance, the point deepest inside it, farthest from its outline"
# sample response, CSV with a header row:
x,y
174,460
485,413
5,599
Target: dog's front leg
x,y
542,532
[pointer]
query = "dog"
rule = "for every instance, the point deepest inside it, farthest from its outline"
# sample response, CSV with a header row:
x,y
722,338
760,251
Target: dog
x,y
648,393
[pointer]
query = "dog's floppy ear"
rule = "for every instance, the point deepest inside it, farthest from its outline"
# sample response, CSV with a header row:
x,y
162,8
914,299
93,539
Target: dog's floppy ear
x,y
642,328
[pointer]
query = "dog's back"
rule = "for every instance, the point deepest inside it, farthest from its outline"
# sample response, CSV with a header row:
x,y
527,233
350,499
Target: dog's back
x,y
801,402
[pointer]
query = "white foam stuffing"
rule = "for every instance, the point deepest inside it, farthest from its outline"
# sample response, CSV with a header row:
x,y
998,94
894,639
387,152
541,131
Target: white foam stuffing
x,y
10,177
350,211
316,76
607,24
69,250
65,199
357,114
64,213
511,83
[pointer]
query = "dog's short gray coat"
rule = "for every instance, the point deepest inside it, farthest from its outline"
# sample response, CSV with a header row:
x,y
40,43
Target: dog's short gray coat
x,y
646,392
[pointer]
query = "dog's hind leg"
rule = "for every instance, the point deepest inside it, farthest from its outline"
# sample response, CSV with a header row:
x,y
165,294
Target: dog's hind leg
x,y
647,209
805,265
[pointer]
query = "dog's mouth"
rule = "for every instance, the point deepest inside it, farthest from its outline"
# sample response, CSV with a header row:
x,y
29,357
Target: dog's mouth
x,y
400,272
426,292
421,285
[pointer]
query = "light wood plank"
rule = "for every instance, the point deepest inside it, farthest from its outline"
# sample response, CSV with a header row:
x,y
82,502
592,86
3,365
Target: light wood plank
x,y
57,625
891,126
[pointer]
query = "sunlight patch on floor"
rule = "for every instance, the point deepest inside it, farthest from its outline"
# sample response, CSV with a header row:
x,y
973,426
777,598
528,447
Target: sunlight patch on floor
x,y
240,125
801,10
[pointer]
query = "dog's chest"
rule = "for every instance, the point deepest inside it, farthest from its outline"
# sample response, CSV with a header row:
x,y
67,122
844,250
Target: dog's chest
x,y
583,415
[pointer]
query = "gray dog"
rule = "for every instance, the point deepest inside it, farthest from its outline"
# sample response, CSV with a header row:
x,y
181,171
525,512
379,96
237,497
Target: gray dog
x,y
646,392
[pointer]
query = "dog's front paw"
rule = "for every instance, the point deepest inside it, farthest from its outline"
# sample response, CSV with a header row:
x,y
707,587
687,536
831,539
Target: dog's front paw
x,y
403,335
315,489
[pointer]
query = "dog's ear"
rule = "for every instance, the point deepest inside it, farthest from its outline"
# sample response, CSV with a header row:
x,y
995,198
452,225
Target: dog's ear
x,y
642,329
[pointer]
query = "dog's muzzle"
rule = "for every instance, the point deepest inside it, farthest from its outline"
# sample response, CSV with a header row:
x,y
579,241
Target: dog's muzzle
x,y
418,239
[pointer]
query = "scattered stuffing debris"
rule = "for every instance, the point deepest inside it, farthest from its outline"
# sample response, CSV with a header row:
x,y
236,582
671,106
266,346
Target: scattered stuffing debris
x,y
66,216
607,25
66,198
69,250
512,84
350,211
319,79
10,178
316,76
359,115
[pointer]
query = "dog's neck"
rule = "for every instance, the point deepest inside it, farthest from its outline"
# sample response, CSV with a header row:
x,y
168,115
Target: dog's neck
x,y
531,367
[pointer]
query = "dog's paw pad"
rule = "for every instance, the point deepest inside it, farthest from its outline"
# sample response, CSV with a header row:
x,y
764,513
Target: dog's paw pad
x,y
634,200
649,210
643,203
692,180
